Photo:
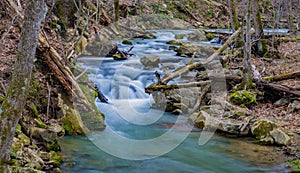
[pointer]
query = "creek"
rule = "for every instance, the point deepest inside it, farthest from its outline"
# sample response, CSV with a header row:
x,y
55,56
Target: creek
x,y
135,139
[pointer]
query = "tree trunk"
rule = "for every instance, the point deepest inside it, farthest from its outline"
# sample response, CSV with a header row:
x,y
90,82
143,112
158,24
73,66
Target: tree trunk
x,y
247,50
233,16
117,9
16,97
261,46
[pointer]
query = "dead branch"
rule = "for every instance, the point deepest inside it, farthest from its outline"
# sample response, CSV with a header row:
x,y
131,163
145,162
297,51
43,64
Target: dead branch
x,y
280,77
200,98
189,67
156,87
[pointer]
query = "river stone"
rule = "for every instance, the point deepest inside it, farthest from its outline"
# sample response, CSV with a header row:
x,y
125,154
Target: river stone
x,y
196,36
128,42
262,128
280,137
233,127
151,62
197,50
175,42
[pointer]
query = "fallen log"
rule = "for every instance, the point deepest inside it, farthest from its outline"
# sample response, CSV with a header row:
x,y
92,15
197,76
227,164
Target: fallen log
x,y
157,87
278,89
280,77
62,73
189,67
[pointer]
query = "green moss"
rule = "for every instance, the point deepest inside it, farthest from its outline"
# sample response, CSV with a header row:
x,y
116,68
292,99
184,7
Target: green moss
x,y
67,126
34,110
243,97
18,129
40,123
2,99
53,146
56,159
295,164
210,36
128,42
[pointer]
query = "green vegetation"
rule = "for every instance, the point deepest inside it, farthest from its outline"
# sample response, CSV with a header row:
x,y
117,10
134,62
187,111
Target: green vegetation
x,y
243,97
295,164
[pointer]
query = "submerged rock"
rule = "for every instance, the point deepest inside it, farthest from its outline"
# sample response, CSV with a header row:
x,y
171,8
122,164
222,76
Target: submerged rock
x,y
151,62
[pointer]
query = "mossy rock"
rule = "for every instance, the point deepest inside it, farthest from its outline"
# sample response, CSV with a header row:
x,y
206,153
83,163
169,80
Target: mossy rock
x,y
40,123
56,159
179,36
295,165
34,110
243,97
262,128
175,42
128,42
209,36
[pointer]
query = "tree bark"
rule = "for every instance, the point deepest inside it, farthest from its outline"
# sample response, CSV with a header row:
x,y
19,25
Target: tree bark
x,y
247,50
16,97
261,46
233,16
117,9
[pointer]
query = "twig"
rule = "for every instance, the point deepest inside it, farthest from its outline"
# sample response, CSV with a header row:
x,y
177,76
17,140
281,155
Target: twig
x,y
49,98
81,74
3,87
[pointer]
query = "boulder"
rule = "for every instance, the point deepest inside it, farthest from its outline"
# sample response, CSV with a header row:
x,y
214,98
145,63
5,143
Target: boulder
x,y
151,62
196,36
179,36
128,42
175,42
280,137
262,128
197,50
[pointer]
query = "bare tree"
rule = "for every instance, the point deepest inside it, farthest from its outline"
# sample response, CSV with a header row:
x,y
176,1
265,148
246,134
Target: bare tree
x,y
260,46
17,94
117,9
233,16
247,48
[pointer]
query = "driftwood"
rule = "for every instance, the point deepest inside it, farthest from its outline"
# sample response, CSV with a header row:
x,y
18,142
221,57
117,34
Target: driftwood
x,y
62,73
189,67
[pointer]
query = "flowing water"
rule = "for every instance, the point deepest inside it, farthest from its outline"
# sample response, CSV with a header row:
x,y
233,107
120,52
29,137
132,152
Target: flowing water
x,y
135,139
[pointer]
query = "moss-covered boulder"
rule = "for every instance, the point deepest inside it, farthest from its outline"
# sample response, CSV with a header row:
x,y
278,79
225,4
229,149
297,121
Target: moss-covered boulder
x,y
262,128
128,42
151,62
243,97
71,120
179,36
196,36
175,42
194,50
